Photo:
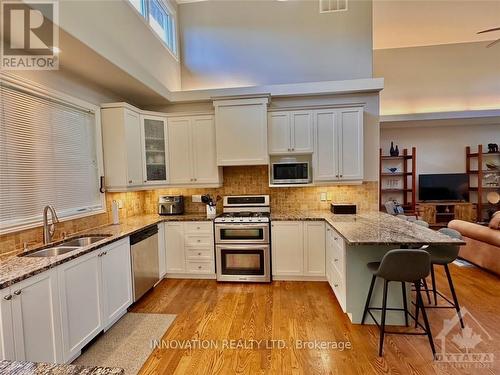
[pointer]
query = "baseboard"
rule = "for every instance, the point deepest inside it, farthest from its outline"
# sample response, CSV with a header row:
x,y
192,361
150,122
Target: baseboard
x,y
207,276
298,278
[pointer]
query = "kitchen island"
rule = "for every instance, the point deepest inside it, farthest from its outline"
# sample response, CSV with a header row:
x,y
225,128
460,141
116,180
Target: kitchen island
x,y
353,241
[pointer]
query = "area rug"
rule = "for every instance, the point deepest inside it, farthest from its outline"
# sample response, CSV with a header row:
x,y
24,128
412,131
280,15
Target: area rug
x,y
128,343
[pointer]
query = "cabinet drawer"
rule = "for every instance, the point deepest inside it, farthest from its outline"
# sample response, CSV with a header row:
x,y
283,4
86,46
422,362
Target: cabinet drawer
x,y
200,267
338,287
198,227
202,253
198,240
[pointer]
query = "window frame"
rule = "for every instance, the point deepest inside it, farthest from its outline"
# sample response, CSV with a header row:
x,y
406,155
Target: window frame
x,y
33,88
145,19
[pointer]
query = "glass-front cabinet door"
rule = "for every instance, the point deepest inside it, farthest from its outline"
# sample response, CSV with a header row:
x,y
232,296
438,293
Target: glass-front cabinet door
x,y
155,149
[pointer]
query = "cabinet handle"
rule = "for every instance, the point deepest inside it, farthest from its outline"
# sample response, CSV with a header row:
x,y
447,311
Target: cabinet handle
x,y
199,267
18,292
328,229
341,176
336,175
129,181
100,254
199,240
198,228
336,285
8,297
335,238
199,253
336,260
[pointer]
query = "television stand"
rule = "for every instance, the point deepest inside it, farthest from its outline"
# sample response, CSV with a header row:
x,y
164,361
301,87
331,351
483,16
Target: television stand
x,y
439,214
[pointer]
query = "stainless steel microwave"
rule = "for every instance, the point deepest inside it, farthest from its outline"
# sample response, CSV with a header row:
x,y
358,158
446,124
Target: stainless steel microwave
x,y
291,173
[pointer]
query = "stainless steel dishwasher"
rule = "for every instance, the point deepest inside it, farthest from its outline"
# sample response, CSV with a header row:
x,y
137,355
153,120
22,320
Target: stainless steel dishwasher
x,y
145,269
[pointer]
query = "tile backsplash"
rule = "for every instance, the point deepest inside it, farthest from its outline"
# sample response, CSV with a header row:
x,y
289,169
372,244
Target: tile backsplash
x,y
237,181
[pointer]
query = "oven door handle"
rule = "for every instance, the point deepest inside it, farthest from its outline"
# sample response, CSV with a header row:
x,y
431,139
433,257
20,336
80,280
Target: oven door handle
x,y
242,225
242,247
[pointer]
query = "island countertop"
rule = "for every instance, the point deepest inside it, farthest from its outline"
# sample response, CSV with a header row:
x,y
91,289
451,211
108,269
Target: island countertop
x,y
373,228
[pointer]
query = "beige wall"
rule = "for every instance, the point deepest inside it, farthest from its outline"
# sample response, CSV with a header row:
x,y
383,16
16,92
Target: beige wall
x,y
246,43
440,149
70,84
451,77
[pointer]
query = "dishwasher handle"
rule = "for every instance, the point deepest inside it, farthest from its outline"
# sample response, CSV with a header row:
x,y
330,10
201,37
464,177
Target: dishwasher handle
x,y
143,234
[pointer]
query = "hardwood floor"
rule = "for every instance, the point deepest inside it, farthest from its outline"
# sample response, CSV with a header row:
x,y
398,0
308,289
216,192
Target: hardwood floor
x,y
290,311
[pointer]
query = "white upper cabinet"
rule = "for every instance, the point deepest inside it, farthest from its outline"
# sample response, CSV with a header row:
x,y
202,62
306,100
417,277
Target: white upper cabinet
x,y
326,153
155,145
339,144
351,144
290,132
279,132
122,147
179,150
192,151
241,131
302,132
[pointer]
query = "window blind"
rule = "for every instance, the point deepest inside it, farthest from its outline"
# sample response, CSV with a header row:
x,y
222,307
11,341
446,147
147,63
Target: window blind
x,y
47,156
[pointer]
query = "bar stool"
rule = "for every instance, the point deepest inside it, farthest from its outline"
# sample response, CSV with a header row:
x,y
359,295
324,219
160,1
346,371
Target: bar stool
x,y
400,265
443,256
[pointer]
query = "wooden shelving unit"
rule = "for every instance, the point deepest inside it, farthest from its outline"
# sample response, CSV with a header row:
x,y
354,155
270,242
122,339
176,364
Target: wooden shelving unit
x,y
476,170
406,174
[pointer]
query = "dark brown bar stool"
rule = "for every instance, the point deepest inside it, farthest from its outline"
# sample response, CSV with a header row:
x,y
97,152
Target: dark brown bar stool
x,y
443,256
404,266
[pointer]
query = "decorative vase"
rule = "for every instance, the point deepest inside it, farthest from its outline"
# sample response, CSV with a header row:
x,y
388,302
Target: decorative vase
x,y
396,152
392,151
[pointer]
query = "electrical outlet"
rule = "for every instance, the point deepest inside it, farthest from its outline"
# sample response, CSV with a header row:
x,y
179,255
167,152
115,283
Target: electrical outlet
x,y
120,203
196,198
322,197
329,196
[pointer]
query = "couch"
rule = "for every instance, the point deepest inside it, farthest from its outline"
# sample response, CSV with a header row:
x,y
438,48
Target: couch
x,y
483,243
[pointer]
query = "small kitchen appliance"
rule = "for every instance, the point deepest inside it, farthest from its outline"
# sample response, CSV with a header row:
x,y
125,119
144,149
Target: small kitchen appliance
x,y
171,205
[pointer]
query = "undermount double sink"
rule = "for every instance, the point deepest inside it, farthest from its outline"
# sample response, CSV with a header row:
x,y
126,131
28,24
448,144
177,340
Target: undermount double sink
x,y
67,246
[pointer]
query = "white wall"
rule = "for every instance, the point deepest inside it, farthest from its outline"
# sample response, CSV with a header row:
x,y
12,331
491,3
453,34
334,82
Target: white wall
x,y
440,149
451,77
247,43
116,31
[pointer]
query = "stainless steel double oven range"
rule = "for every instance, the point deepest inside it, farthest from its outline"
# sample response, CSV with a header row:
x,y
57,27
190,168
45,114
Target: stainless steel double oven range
x,y
242,239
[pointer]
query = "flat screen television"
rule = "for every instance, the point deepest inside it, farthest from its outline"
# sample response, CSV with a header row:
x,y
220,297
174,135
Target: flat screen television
x,y
443,187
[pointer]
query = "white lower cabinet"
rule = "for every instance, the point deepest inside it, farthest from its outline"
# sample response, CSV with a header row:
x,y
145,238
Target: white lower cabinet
x,y
335,265
298,249
116,280
30,320
95,290
287,248
162,248
81,301
314,248
174,243
190,249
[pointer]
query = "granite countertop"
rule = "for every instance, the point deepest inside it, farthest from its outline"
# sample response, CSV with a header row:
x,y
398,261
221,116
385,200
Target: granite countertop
x,y
373,228
17,268
31,368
